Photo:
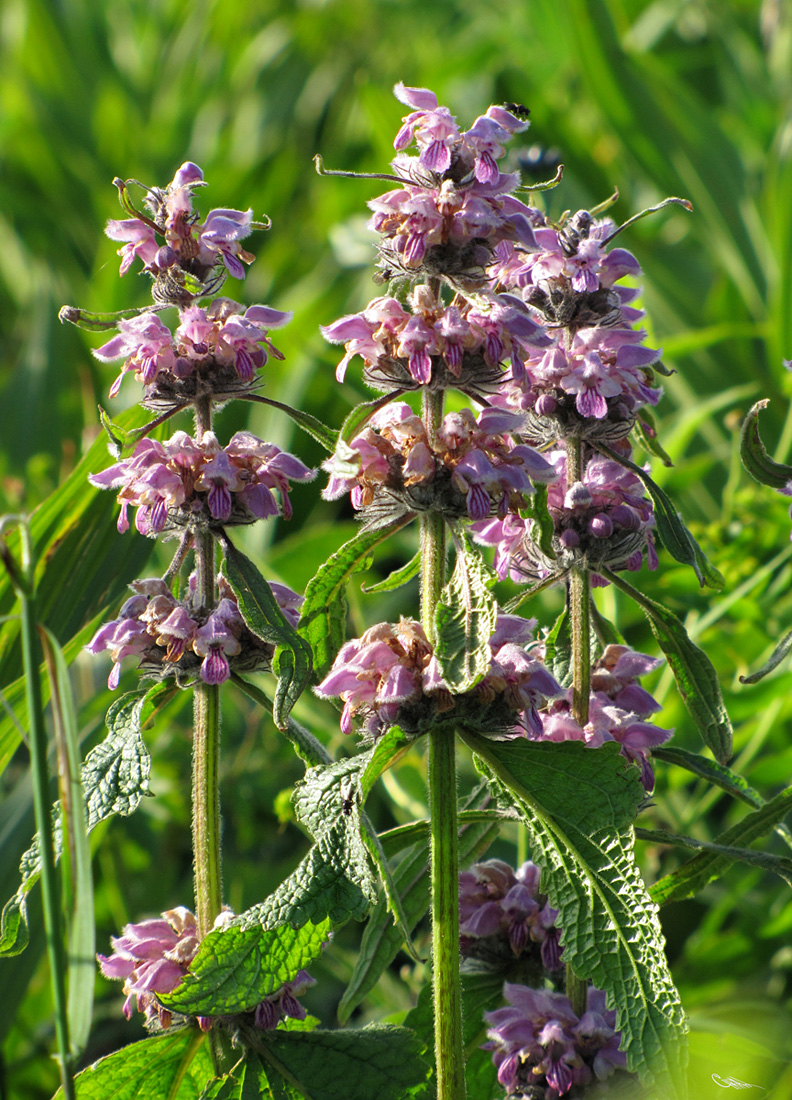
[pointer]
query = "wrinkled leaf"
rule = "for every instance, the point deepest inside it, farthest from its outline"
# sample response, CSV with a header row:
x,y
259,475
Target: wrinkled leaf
x,y
578,805
778,865
693,672
465,619
173,1066
773,661
396,579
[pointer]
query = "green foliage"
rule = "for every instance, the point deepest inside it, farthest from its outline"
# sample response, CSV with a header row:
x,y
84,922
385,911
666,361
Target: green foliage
x,y
292,660
754,455
465,619
173,1066
584,846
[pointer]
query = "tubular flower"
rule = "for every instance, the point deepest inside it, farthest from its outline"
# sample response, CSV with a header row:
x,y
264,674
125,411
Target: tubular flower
x,y
538,1040
153,957
183,483
187,260
461,345
181,639
455,204
606,519
214,351
472,471
503,916
390,676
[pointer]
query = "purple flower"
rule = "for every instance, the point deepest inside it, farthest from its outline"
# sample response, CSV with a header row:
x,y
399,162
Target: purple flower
x,y
219,237
503,915
539,1040
146,343
140,239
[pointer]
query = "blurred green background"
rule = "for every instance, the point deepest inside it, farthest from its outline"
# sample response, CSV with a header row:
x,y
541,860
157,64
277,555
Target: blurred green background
x,y
672,97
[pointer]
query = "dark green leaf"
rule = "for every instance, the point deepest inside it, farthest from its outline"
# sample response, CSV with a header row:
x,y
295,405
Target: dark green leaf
x,y
694,875
755,458
172,1066
544,529
646,435
676,538
372,1063
292,662
578,805
695,677
323,617
396,579
779,865
465,619
773,661
236,967
558,650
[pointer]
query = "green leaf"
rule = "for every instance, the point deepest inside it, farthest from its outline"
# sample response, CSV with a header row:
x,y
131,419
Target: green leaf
x,y
361,414
76,864
371,1063
578,805
755,458
396,579
720,775
308,748
676,538
465,619
173,1066
236,967
310,424
646,435
695,677
323,618
114,776
292,662
558,649
537,510
773,661
382,938
779,865
694,875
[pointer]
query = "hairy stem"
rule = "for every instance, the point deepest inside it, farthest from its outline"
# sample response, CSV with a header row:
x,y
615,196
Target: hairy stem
x,y
31,655
579,597
449,1052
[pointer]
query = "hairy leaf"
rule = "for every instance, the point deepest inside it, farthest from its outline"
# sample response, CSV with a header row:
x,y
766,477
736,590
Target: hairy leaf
x,y
323,617
779,865
324,435
173,1066
465,619
292,663
237,967
695,677
578,805
754,456
308,748
694,875
396,579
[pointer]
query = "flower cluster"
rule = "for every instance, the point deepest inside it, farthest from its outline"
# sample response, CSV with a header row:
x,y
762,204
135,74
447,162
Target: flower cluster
x,y
539,1041
390,676
180,638
618,709
462,345
503,915
606,519
186,482
215,351
153,957
472,469
188,259
455,204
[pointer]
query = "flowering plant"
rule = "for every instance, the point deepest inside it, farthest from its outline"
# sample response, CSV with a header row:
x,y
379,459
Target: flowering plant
x,y
526,316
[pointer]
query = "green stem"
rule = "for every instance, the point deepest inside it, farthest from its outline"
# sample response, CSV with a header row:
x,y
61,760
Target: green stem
x,y
31,655
443,824
580,620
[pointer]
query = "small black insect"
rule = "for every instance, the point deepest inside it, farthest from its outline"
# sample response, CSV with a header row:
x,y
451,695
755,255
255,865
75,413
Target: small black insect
x,y
519,110
348,798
